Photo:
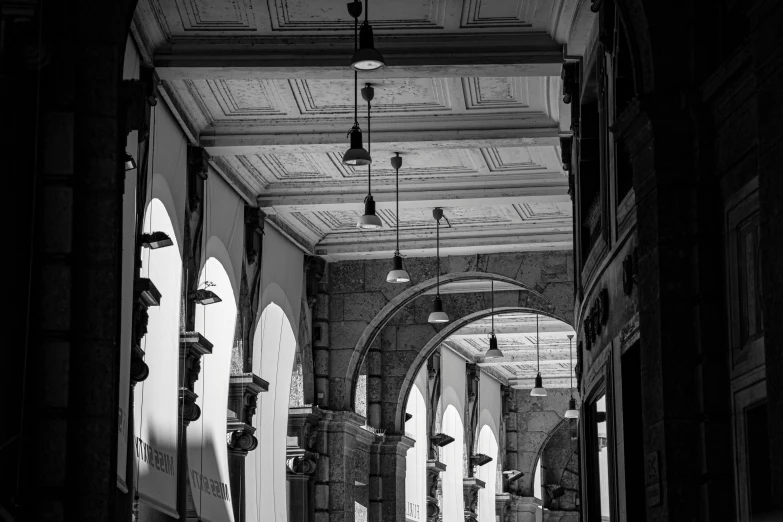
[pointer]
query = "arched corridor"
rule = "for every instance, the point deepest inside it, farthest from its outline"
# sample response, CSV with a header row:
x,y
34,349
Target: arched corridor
x,y
442,261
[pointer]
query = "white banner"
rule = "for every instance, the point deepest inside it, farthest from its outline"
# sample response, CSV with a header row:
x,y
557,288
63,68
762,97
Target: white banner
x,y
207,451
416,459
156,404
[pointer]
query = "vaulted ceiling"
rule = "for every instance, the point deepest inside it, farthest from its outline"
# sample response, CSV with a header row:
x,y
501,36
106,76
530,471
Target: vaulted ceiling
x,y
470,97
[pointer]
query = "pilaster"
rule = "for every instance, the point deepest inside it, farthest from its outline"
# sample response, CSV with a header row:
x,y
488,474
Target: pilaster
x,y
342,443
302,462
192,346
387,477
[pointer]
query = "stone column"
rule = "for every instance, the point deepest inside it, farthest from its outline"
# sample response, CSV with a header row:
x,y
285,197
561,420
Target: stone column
x,y
387,477
341,441
192,345
434,469
243,393
302,462
470,489
523,509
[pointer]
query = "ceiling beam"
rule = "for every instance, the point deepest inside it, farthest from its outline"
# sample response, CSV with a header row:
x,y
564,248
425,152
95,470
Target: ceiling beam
x,y
550,384
552,191
399,140
521,361
327,56
479,329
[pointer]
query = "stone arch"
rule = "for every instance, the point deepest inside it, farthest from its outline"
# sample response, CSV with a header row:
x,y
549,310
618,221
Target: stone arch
x,y
634,19
441,336
535,301
562,465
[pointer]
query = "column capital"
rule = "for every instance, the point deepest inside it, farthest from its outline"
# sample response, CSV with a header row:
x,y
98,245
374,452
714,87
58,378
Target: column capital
x,y
243,390
470,489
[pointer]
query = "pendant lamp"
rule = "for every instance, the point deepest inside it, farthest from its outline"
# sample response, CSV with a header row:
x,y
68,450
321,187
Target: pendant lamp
x,y
369,219
493,352
437,315
356,155
366,57
538,390
572,412
398,274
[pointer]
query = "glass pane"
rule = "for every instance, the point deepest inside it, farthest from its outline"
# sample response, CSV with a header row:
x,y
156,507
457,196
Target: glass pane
x,y
602,454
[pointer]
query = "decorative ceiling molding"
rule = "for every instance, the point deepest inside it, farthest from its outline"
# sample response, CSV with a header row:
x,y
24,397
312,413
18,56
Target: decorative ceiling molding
x,y
335,98
298,15
487,14
484,93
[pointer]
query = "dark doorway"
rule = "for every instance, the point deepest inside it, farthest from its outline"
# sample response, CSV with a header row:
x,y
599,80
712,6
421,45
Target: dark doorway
x,y
633,434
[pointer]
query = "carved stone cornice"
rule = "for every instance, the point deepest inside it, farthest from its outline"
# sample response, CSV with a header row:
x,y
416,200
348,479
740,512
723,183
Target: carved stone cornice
x,y
192,345
145,294
243,393
470,489
301,457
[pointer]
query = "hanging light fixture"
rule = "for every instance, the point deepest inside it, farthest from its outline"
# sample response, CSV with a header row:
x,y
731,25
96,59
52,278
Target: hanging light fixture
x,y
155,240
397,274
205,297
493,352
356,155
538,390
130,163
572,412
366,57
437,315
369,219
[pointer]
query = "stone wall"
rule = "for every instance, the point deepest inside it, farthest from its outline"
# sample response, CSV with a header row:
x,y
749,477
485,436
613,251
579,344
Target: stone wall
x,y
358,292
529,425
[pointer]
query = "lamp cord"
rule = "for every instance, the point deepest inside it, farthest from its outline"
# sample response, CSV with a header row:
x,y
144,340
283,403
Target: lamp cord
x,y
538,357
437,256
397,211
369,152
492,315
571,365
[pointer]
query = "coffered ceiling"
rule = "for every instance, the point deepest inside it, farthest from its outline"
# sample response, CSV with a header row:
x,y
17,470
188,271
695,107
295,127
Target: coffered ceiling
x,y
470,98
516,334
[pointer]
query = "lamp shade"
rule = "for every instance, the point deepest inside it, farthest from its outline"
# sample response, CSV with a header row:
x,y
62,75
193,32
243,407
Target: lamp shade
x,y
538,390
572,412
357,155
156,240
369,219
205,297
367,57
130,163
438,315
493,352
398,273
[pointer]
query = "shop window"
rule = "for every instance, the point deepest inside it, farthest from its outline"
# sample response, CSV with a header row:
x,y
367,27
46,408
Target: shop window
x,y
633,435
623,91
589,174
600,506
